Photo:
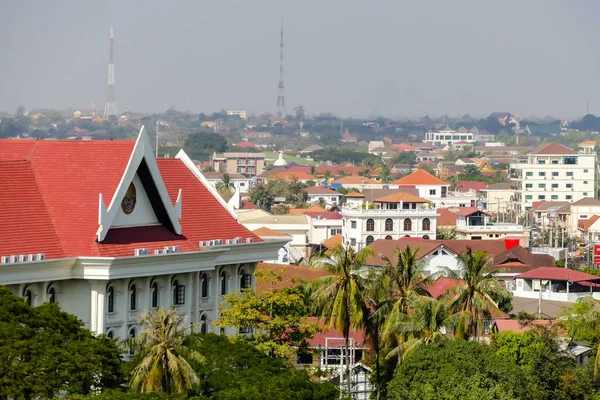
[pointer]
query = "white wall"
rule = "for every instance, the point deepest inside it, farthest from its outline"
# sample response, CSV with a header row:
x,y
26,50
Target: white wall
x,y
142,214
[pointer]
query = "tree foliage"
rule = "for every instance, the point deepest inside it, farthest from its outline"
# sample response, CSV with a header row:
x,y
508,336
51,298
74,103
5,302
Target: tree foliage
x,y
201,145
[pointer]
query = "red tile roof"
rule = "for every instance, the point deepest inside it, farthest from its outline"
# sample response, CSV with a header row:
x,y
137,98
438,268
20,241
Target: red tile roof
x,y
420,177
355,180
303,176
301,211
468,211
319,339
291,274
246,145
442,284
268,232
247,205
559,274
517,326
354,194
518,260
333,241
585,224
321,190
555,148
465,186
324,214
400,196
67,178
445,217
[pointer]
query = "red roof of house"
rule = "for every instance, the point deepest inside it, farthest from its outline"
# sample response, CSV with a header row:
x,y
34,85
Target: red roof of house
x,y
555,148
321,190
324,214
516,326
247,205
420,177
52,207
246,145
465,186
446,217
303,176
291,275
585,224
319,339
559,274
468,211
442,284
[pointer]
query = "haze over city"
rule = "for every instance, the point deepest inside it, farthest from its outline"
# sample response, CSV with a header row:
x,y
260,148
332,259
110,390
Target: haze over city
x,y
390,58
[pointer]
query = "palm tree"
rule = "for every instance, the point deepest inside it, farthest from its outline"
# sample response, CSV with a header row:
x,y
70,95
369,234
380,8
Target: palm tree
x,y
385,175
423,324
339,296
475,296
225,187
164,366
327,175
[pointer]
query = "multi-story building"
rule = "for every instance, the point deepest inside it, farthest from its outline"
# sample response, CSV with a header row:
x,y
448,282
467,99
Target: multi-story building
x,y
240,182
448,136
429,186
390,217
472,224
555,173
250,164
107,231
239,113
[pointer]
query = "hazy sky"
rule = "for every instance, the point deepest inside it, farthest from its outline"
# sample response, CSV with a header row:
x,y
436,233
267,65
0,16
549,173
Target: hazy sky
x,y
396,58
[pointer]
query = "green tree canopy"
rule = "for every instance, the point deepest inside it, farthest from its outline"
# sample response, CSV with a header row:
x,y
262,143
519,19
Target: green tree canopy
x,y
201,145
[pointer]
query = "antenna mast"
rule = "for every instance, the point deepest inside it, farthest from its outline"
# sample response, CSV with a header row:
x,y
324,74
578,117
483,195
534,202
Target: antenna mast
x,y
280,97
110,107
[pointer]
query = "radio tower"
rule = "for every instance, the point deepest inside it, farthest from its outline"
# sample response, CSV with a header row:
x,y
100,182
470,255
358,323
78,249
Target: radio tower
x,y
110,107
280,97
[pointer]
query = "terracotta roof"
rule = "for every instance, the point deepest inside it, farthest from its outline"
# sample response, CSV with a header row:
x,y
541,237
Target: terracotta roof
x,y
420,177
312,208
445,217
333,241
245,145
247,205
587,201
585,224
295,174
501,186
355,180
546,205
401,196
321,190
516,326
559,274
319,339
465,186
589,143
63,181
324,214
518,260
372,195
555,148
468,211
291,274
404,147
267,232
442,284
354,194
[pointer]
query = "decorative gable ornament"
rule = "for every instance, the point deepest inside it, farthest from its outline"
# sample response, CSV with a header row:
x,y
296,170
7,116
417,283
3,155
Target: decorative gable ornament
x,y
142,159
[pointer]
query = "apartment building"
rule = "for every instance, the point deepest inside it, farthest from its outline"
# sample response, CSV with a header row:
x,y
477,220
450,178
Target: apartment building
x,y
448,136
473,224
390,217
555,173
250,164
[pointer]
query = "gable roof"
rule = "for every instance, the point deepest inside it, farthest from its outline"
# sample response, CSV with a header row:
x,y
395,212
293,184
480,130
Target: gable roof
x,y
465,186
585,224
69,177
354,194
295,174
468,211
324,215
587,201
400,196
264,232
291,274
518,260
559,274
333,241
516,326
321,190
445,217
555,148
313,208
420,177
355,180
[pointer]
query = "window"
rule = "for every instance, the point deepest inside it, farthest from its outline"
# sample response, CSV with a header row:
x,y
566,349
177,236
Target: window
x,y
27,296
131,336
528,173
178,293
571,160
541,197
407,224
203,285
245,280
426,224
528,185
585,170
541,161
432,192
353,224
568,197
334,231
245,330
353,242
555,174
569,173
585,182
203,324
554,197
370,240
388,237
51,295
389,225
223,278
583,216
528,197
542,185
569,185
154,294
585,193
555,162
132,297
370,225
110,334
426,237
555,186
110,299
542,174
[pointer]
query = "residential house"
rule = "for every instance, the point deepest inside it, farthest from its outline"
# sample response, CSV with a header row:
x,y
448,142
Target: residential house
x,y
555,173
580,210
250,164
356,182
448,136
240,182
323,226
390,217
429,186
268,234
472,224
499,196
118,232
558,284
316,194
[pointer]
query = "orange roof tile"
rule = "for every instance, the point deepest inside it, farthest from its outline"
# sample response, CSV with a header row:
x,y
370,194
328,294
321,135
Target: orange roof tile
x,y
354,194
268,232
400,196
312,208
355,180
333,241
420,177
585,224
303,176
555,148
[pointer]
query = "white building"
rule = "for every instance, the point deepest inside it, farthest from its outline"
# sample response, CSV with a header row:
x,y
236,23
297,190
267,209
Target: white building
x,y
472,224
448,136
391,217
240,182
558,284
107,231
317,194
239,113
429,186
555,173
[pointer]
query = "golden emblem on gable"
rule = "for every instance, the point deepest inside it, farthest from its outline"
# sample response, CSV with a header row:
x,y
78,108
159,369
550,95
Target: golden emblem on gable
x,y
129,200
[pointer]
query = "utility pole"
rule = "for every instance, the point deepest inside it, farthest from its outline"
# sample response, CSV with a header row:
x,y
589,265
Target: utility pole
x,y
540,301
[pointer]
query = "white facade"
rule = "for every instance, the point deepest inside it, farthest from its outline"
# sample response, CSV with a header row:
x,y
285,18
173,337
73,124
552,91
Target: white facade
x,y
476,227
555,177
295,226
361,227
550,290
581,212
448,136
322,229
240,182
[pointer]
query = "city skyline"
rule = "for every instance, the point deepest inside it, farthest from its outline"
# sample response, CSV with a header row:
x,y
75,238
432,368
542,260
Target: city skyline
x,y
394,60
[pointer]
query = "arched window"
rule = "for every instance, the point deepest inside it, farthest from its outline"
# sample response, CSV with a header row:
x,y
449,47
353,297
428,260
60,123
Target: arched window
x,y
51,295
426,224
245,280
407,224
132,297
110,299
203,324
203,285
426,237
27,296
131,336
389,225
178,293
154,294
370,225
110,334
370,240
223,278
388,237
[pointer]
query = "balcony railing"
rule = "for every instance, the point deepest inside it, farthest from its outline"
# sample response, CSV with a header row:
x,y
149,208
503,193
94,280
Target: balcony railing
x,y
491,228
382,211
